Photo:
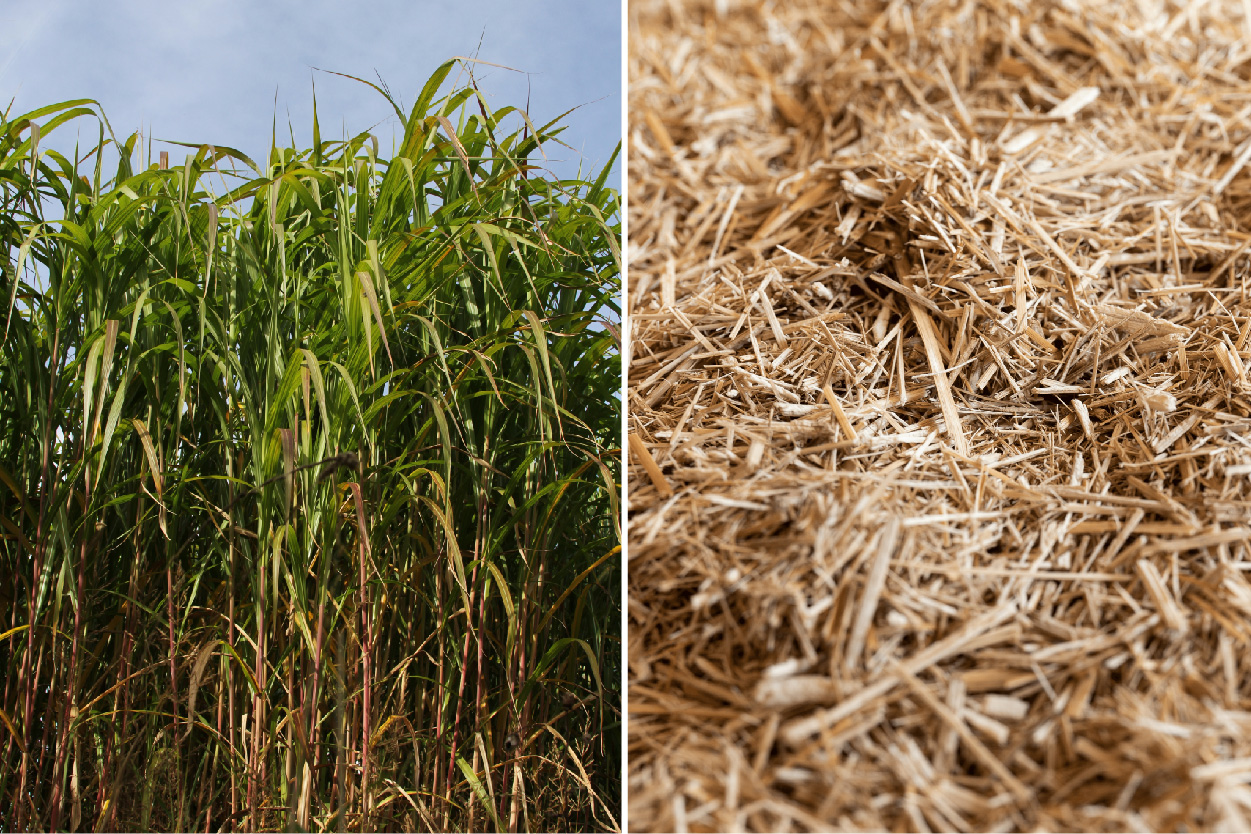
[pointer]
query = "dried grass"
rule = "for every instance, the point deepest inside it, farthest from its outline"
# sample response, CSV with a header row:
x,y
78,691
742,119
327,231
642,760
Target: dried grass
x,y
940,428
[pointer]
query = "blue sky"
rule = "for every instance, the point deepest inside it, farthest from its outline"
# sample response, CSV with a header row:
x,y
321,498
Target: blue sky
x,y
209,72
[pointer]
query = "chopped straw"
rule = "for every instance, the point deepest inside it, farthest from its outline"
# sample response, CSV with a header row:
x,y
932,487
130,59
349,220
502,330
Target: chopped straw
x,y
940,415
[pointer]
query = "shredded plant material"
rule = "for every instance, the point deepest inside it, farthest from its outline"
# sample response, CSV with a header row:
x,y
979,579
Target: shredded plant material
x,y
940,433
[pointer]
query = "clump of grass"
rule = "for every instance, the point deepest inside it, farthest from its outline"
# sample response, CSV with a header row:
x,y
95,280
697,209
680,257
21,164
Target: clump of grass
x,y
308,488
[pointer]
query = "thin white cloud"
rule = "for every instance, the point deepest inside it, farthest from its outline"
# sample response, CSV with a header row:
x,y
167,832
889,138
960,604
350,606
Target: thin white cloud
x,y
24,22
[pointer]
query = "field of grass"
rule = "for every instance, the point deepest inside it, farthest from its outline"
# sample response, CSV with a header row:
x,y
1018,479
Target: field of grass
x,y
308,482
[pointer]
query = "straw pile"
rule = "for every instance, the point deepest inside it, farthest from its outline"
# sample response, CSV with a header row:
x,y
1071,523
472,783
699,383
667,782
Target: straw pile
x,y
939,419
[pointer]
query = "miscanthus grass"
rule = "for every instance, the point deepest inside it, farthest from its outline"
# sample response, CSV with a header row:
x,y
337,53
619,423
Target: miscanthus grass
x,y
308,475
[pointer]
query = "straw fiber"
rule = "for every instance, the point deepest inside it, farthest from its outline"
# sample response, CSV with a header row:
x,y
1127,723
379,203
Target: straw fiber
x,y
940,435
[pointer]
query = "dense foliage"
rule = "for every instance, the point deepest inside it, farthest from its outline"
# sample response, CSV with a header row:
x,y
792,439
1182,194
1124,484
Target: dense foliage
x,y
308,489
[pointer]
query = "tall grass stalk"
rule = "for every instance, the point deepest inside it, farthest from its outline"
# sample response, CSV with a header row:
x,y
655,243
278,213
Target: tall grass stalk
x,y
308,478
